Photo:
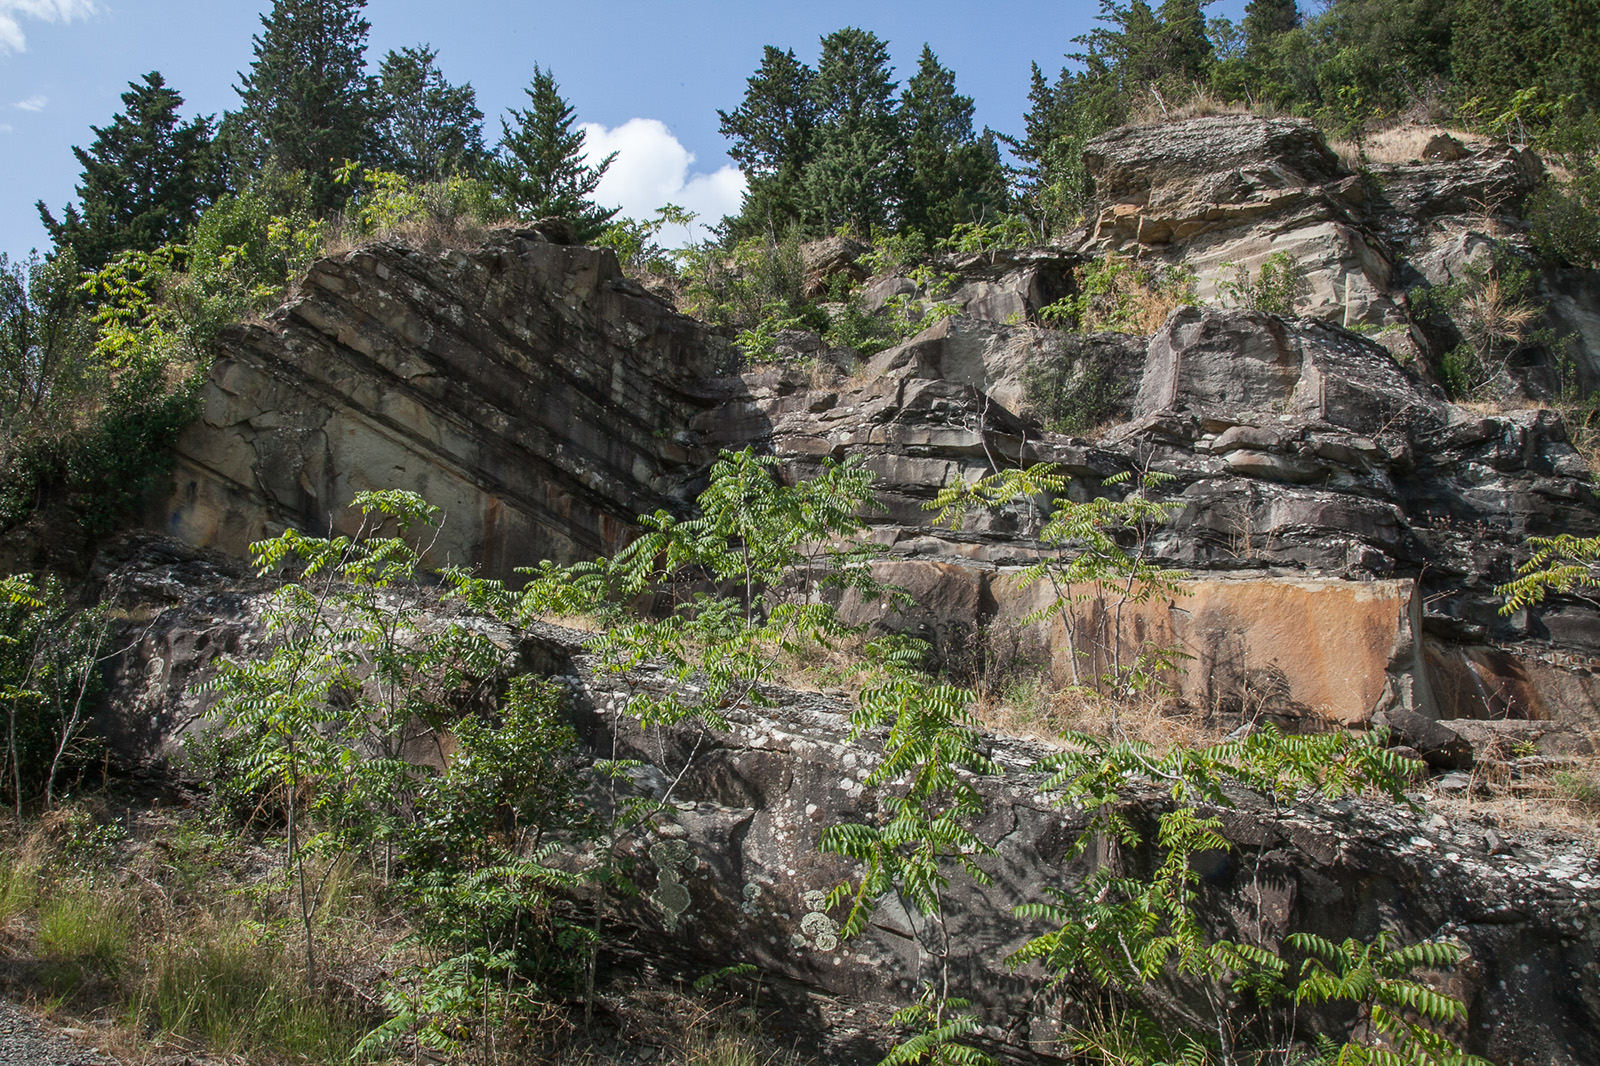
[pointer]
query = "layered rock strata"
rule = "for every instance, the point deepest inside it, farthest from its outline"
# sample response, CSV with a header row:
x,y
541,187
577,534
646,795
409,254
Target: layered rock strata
x,y
525,387
733,873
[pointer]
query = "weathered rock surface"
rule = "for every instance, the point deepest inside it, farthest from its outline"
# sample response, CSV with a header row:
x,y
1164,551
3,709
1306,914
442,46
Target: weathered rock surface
x,y
1343,527
734,875
1219,195
525,387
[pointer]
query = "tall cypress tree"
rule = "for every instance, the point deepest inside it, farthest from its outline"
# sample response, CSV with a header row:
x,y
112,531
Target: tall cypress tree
x,y
1265,19
951,176
429,128
540,168
854,177
146,178
773,133
307,102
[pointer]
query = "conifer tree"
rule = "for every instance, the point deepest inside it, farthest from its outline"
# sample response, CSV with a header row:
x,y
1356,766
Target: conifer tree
x,y
429,128
773,133
1266,19
951,176
540,168
308,104
854,177
146,178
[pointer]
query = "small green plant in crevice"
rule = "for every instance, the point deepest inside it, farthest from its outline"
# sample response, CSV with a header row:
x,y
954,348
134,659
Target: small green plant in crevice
x,y
1277,288
1492,306
1118,294
1564,565
1072,391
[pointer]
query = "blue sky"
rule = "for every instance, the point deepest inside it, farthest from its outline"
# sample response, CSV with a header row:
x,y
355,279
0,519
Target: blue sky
x,y
668,63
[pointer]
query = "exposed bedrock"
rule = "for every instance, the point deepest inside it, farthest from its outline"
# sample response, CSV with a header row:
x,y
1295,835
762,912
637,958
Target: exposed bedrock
x,y
734,873
525,387
543,401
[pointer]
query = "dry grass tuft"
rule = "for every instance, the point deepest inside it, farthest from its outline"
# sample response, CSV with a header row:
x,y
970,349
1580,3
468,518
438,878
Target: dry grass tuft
x,y
1560,796
1151,109
1397,144
1034,709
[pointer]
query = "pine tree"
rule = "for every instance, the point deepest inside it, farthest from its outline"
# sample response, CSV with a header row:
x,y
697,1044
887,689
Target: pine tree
x,y
1168,52
540,168
951,176
308,104
854,178
1266,19
146,178
1061,118
773,133
430,129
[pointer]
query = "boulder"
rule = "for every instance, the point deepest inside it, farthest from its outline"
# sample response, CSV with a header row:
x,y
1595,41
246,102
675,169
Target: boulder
x,y
829,257
1439,746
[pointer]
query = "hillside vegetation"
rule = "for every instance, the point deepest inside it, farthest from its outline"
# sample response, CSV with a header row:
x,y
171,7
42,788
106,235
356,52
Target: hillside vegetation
x,y
393,834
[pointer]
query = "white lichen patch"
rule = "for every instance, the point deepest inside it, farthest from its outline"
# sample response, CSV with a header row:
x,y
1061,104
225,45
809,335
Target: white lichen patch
x,y
671,895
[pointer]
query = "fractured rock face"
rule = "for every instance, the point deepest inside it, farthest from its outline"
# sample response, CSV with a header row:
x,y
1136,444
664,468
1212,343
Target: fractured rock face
x,y
734,874
524,387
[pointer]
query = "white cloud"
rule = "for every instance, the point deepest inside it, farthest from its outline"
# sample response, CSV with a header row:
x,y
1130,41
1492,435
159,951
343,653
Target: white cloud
x,y
12,12
32,103
652,170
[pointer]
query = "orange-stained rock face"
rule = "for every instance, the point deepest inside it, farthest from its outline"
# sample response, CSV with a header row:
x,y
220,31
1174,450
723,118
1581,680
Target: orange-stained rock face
x,y
1286,648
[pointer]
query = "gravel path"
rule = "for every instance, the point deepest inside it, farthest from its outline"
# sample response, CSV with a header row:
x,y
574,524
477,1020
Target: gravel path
x,y
25,1041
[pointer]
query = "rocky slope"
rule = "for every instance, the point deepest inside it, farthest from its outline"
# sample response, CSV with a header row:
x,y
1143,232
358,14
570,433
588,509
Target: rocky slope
x,y
735,874
1343,525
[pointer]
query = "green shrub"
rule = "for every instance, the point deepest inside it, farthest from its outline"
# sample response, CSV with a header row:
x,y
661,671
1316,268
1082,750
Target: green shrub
x,y
1276,289
1117,294
1564,218
1071,392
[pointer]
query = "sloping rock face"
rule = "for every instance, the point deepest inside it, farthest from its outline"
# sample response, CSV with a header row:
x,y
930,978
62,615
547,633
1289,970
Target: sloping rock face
x,y
525,387
1219,195
1297,451
543,402
734,874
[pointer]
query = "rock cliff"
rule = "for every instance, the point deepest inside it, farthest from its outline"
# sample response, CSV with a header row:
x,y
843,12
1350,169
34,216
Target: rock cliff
x,y
1343,526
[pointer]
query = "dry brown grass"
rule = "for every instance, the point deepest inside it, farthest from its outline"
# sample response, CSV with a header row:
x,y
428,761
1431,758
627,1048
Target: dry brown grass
x,y
1556,796
426,234
1152,109
1033,709
1397,144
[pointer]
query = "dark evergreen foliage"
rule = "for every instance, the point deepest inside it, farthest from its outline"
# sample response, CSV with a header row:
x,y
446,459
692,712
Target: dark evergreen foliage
x,y
308,103
773,134
146,178
429,128
951,175
854,177
540,168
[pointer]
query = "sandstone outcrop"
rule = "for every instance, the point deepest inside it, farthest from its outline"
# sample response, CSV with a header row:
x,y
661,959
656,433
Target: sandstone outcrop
x,y
525,387
1219,195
